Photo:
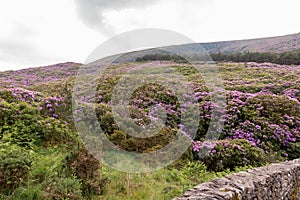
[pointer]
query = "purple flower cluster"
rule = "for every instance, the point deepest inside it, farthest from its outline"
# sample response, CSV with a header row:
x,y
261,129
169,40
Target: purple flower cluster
x,y
255,117
53,106
23,94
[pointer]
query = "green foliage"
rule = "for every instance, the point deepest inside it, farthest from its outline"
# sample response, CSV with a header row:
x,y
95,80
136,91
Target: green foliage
x,y
192,172
287,58
63,188
8,96
130,143
14,167
293,150
47,165
275,107
27,193
22,124
161,57
236,153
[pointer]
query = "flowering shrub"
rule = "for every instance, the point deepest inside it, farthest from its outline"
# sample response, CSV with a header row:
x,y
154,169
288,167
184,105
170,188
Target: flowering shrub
x,y
228,154
19,94
260,110
22,124
268,121
54,106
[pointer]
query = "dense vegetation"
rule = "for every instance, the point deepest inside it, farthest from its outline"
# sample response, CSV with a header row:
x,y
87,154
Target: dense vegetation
x,y
42,156
287,58
161,57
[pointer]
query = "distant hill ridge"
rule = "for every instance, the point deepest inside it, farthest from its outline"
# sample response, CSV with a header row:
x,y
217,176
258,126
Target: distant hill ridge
x,y
287,43
272,44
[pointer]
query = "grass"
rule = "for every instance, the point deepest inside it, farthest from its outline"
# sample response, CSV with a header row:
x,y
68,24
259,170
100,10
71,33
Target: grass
x,y
163,184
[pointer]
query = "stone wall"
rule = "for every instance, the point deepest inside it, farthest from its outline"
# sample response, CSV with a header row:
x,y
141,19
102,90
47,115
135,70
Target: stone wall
x,y
274,182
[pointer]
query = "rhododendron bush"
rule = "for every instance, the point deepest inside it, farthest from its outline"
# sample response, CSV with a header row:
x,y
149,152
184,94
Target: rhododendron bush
x,y
267,117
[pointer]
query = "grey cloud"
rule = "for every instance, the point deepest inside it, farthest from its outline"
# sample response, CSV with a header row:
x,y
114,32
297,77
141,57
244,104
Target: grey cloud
x,y
15,49
22,52
20,48
91,11
17,44
21,30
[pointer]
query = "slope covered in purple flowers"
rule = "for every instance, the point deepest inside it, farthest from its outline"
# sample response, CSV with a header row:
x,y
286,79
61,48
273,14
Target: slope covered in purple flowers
x,y
262,109
261,123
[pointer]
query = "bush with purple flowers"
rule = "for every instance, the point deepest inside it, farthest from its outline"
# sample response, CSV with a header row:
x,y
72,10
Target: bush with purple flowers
x,y
228,154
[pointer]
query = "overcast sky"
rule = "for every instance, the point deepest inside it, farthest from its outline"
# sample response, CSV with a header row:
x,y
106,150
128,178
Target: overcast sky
x,y
35,32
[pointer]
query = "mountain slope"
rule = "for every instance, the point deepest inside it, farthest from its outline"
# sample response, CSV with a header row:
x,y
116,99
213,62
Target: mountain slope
x,y
272,44
39,75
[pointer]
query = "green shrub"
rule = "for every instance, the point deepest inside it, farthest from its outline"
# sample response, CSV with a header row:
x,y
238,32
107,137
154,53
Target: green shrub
x,y
293,150
193,169
63,188
14,167
230,154
28,193
22,124
46,167
135,144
